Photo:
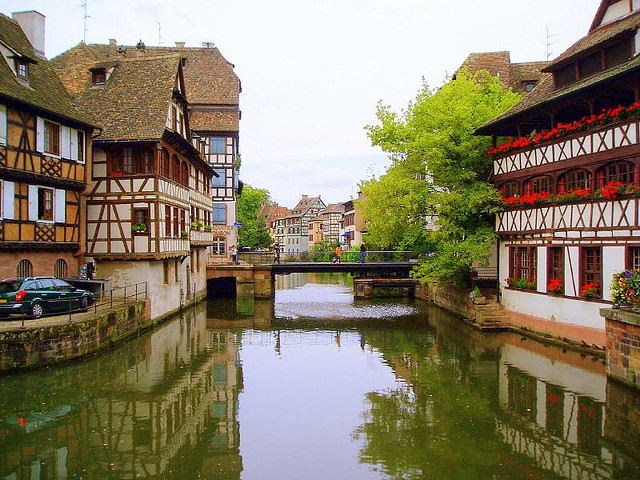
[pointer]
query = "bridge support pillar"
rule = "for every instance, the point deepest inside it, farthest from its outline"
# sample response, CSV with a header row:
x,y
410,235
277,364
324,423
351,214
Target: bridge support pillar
x,y
264,283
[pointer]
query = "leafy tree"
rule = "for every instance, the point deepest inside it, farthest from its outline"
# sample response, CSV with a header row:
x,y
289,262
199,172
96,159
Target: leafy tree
x,y
440,173
254,231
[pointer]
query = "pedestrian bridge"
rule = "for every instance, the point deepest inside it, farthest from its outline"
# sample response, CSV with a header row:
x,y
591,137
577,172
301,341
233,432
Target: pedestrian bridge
x,y
263,275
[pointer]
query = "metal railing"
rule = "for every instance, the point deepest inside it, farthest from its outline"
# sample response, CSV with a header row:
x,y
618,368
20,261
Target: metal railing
x,y
104,300
374,256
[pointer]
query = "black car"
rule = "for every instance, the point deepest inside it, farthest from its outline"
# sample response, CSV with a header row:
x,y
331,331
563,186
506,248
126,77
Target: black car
x,y
35,296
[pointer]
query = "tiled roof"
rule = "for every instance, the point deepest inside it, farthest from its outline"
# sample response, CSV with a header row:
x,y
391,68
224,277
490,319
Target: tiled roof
x,y
545,93
215,121
305,204
597,37
134,102
333,208
209,76
44,91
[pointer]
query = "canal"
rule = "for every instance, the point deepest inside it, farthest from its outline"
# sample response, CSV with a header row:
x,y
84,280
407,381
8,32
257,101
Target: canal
x,y
315,385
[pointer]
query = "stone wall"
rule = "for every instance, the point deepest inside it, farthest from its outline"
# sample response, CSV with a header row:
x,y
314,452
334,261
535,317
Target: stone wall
x,y
622,428
57,343
623,344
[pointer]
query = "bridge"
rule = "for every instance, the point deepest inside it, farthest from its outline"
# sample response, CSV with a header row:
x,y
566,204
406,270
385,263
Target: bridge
x,y
262,276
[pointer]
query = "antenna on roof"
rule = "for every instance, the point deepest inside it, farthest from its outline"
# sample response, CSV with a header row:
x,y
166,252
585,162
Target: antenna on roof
x,y
159,33
208,44
549,43
83,4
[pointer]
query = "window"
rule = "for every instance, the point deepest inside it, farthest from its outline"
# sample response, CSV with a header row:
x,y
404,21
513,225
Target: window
x,y
574,179
219,214
219,246
633,258
540,184
166,274
591,271
140,221
22,69
509,189
617,53
175,168
167,221
184,174
555,264
99,76
622,172
218,145
51,138
565,75
523,263
60,270
143,161
174,118
220,180
590,65
45,204
528,85
80,145
25,269
176,222
165,163
129,161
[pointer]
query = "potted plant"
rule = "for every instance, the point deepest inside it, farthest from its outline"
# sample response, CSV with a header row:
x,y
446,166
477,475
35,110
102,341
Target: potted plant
x,y
139,227
522,283
184,234
207,228
197,224
590,290
555,286
625,289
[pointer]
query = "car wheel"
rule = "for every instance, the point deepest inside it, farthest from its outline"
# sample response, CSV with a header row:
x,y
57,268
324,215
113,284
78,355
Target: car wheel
x,y
36,310
84,303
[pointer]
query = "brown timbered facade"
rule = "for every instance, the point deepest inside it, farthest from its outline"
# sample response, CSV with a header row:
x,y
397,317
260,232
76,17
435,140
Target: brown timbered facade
x,y
149,208
570,181
45,154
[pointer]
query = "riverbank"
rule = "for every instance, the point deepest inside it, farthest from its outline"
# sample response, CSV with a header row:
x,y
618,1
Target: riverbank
x,y
487,314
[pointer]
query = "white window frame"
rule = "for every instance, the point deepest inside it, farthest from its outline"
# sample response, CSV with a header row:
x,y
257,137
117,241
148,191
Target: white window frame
x,y
8,200
59,204
3,124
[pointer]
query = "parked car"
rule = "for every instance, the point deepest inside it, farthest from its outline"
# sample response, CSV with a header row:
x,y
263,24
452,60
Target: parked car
x,y
35,296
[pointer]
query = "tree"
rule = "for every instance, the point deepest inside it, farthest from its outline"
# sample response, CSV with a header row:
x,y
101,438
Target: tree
x,y
253,232
440,171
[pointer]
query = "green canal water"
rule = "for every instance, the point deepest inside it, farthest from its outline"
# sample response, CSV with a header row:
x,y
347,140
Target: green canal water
x,y
315,385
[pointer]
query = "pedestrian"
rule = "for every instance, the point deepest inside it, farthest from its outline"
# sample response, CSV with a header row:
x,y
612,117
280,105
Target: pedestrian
x,y
276,250
234,254
338,254
363,252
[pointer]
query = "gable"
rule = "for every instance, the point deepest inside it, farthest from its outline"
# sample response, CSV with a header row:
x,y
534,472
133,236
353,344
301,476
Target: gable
x,y
612,10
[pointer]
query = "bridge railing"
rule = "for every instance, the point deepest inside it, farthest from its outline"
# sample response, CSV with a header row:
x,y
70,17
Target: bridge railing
x,y
375,256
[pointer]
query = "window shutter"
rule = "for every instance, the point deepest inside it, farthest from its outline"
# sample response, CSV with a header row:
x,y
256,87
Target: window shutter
x,y
40,135
3,125
33,202
73,144
8,200
65,142
60,202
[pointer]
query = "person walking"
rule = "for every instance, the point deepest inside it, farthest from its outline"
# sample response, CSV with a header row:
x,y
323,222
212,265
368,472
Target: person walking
x,y
276,250
363,253
338,253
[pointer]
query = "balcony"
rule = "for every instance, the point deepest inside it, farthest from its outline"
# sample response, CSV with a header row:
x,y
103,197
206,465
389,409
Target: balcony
x,y
595,218
591,142
200,237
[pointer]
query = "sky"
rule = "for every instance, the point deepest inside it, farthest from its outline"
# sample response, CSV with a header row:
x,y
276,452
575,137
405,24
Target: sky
x,y
313,71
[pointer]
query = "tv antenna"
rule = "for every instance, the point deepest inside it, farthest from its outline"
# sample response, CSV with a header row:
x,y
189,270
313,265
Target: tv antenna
x,y
159,33
208,44
549,43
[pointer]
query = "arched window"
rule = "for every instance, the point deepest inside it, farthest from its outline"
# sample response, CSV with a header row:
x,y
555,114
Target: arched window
x,y
510,189
184,174
60,270
573,179
175,168
25,269
622,172
539,184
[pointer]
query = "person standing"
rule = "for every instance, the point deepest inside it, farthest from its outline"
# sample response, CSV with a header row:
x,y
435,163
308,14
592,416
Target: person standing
x,y
234,254
338,253
276,250
363,253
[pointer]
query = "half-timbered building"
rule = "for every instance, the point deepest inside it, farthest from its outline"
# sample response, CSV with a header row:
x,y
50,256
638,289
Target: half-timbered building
x,y
45,157
149,208
297,223
569,175
213,92
333,223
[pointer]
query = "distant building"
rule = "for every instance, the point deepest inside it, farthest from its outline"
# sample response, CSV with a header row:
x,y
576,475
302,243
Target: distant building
x,y
333,223
315,231
297,223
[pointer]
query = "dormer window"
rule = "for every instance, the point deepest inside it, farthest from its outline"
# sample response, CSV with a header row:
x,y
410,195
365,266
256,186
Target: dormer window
x,y
22,69
528,85
99,76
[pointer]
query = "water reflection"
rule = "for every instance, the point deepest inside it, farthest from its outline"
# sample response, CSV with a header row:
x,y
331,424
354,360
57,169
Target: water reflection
x,y
320,386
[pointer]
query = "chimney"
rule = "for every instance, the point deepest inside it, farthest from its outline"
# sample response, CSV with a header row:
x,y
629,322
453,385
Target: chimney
x,y
32,24
305,197
179,44
112,42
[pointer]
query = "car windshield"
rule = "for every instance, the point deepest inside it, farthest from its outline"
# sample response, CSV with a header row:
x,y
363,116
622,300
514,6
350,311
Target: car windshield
x,y
8,287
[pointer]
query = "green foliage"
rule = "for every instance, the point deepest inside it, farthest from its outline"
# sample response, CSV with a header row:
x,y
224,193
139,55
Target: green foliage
x,y
253,232
440,172
625,288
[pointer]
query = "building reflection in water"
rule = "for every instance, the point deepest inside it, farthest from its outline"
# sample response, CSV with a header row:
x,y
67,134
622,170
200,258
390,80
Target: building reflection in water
x,y
162,407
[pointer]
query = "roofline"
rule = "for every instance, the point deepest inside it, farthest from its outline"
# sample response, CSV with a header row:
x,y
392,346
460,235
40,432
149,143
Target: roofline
x,y
50,112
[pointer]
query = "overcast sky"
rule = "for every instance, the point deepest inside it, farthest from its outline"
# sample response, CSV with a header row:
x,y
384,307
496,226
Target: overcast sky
x,y
312,71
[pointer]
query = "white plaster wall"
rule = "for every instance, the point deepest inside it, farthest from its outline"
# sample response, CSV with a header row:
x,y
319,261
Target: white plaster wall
x,y
571,271
613,260
556,309
615,11
165,297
